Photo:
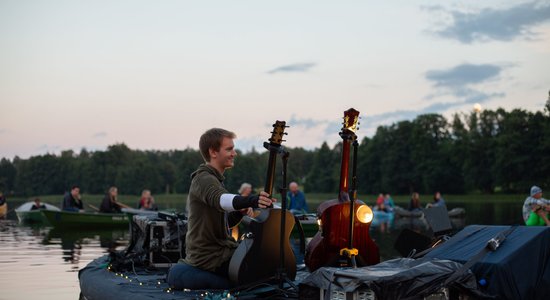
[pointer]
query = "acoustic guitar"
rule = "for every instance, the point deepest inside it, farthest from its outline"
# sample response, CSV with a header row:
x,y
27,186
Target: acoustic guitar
x,y
335,217
257,256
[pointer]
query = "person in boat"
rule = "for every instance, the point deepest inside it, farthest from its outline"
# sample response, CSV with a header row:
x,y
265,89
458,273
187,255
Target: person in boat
x,y
3,205
414,203
212,211
438,201
145,195
381,206
37,204
150,204
380,199
72,201
535,208
388,202
245,189
296,200
110,203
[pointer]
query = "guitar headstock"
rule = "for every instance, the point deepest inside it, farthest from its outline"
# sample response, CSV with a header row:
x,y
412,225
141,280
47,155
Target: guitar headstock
x,y
351,120
278,133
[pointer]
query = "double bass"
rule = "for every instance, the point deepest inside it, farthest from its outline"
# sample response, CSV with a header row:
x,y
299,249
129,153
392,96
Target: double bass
x,y
258,253
344,225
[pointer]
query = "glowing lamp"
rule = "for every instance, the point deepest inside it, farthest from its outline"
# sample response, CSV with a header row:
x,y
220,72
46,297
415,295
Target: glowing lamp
x,y
364,214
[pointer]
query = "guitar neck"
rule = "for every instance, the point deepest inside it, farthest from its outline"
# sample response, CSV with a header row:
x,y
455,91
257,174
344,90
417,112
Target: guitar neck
x,y
270,172
344,170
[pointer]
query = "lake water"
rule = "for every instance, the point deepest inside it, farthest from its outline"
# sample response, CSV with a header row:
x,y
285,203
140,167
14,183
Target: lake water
x,y
43,262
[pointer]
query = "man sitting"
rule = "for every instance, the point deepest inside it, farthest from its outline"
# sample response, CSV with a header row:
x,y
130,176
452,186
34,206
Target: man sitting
x,y
37,205
296,200
72,201
535,208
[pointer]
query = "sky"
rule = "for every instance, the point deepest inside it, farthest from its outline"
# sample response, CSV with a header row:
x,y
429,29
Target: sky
x,y
156,74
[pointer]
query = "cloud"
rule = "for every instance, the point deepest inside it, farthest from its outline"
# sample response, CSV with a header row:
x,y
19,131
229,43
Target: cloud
x,y
461,82
48,148
458,82
100,134
300,67
462,75
493,24
307,123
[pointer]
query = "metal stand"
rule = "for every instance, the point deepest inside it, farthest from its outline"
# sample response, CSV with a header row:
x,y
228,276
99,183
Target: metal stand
x,y
281,275
350,253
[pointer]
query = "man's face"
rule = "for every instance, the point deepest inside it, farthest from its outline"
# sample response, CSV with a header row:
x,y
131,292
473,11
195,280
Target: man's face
x,y
226,156
537,195
75,192
293,188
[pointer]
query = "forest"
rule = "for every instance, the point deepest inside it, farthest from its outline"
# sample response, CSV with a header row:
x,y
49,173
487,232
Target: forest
x,y
480,152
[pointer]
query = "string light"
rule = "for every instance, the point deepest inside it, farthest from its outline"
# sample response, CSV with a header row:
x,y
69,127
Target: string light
x,y
208,295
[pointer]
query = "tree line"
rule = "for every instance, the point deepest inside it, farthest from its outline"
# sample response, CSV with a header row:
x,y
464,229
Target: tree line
x,y
484,152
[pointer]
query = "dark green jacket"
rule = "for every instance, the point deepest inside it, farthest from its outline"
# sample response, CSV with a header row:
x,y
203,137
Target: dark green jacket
x,y
208,243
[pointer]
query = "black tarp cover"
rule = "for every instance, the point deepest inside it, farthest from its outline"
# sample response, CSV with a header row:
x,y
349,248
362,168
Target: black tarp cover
x,y
518,269
402,278
96,282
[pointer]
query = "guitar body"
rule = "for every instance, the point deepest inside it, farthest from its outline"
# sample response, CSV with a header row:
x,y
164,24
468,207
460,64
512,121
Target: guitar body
x,y
257,256
324,248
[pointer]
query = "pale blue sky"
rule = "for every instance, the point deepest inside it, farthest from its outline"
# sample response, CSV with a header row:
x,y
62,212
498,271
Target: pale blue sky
x,y
156,74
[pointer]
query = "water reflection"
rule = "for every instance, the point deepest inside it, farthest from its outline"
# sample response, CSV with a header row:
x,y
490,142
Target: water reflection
x,y
42,262
72,241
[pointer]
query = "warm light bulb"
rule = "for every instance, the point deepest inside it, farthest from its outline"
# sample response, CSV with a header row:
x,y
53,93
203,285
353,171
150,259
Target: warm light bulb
x,y
364,214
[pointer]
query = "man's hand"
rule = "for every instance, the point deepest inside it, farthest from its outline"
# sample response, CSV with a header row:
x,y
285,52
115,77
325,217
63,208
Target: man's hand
x,y
265,200
248,212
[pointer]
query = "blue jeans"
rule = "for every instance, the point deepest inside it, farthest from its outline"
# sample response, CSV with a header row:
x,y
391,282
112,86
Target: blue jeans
x,y
184,276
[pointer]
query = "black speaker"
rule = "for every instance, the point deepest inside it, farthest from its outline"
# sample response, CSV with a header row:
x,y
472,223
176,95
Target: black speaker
x,y
410,242
438,218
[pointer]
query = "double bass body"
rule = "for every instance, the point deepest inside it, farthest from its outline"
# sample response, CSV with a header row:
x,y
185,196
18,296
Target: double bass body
x,y
336,219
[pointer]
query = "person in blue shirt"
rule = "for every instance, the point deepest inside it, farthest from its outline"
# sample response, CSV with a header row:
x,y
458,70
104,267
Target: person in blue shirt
x,y
296,200
438,201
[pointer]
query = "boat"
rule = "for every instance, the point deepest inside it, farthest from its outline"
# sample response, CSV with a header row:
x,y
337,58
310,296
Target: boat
x,y
85,219
127,275
457,212
26,215
3,209
310,225
381,217
400,212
